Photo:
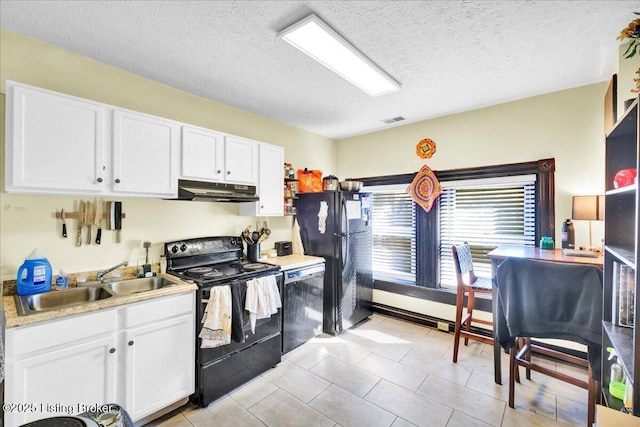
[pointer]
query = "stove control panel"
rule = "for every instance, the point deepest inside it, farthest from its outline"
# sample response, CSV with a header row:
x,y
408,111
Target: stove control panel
x,y
203,246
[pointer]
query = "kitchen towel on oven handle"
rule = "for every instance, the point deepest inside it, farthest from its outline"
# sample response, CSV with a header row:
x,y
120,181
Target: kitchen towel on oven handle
x,y
216,322
263,299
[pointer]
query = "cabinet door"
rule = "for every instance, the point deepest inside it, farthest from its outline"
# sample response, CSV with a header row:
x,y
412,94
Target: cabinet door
x,y
145,150
270,183
160,366
60,382
240,160
201,154
55,142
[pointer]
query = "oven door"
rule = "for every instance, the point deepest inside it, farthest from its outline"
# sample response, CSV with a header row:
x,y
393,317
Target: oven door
x,y
264,328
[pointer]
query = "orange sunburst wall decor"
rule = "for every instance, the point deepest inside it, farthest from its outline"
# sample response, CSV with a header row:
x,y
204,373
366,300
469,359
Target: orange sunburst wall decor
x,y
426,148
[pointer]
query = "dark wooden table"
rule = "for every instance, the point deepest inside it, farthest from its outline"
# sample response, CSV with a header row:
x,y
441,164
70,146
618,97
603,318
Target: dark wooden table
x,y
500,253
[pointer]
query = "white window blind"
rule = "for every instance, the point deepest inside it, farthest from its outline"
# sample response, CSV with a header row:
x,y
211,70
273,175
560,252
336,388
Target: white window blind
x,y
394,236
489,214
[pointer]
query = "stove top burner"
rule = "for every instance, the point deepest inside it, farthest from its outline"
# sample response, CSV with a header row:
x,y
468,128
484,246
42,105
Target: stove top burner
x,y
253,266
199,270
213,274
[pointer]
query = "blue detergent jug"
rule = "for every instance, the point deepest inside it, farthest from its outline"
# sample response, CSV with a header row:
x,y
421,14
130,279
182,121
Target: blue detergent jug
x,y
34,275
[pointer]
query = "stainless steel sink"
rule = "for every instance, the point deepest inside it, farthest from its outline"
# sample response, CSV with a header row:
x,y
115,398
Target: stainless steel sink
x,y
134,286
55,300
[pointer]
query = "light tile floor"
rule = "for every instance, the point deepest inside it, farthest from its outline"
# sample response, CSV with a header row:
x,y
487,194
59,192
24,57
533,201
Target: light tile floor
x,y
389,372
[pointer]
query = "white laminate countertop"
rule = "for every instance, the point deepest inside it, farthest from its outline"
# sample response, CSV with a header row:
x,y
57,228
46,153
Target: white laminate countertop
x,y
289,262
12,319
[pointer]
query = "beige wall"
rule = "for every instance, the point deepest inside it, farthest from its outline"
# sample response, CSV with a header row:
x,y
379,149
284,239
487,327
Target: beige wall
x,y
567,126
29,221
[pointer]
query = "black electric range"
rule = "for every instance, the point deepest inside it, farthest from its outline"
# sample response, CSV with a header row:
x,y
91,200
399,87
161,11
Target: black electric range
x,y
211,261
220,261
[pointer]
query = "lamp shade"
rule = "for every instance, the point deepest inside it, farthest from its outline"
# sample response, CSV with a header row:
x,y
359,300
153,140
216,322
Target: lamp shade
x,y
589,208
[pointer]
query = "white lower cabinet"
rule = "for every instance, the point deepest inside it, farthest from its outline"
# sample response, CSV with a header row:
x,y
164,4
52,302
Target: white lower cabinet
x,y
139,356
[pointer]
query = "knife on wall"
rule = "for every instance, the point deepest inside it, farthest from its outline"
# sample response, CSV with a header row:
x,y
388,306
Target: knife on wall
x,y
99,221
88,220
81,213
118,220
64,225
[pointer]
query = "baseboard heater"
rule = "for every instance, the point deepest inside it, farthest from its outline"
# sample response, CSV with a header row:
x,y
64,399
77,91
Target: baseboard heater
x,y
424,319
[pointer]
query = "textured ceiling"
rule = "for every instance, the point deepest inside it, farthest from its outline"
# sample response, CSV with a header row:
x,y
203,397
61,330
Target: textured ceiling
x,y
449,56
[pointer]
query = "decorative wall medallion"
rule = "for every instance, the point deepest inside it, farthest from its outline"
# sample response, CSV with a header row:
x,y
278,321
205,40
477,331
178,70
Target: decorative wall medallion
x,y
425,188
426,148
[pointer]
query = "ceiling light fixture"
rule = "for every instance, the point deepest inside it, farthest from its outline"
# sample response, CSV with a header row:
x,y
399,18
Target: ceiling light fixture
x,y
315,38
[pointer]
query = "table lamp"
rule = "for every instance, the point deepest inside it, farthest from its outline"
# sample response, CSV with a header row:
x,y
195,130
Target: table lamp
x,y
588,208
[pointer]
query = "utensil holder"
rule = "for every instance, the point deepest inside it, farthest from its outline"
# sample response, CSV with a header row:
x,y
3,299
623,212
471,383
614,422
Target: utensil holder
x,y
253,252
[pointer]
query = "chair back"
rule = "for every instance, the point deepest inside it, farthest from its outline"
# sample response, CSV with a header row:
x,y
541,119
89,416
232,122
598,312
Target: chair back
x,y
463,263
545,299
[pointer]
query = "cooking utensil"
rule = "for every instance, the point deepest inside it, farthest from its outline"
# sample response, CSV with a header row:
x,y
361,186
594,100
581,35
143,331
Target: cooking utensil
x,y
330,183
88,221
64,225
350,185
99,221
109,215
255,236
81,210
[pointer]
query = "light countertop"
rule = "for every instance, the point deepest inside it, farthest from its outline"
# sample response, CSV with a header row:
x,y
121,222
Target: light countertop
x,y
12,319
289,262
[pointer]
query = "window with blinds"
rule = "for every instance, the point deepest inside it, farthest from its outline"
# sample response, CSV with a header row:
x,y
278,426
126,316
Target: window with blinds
x,y
485,215
394,237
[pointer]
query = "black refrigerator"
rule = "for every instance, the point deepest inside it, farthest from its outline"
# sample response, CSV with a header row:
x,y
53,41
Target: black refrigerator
x,y
336,225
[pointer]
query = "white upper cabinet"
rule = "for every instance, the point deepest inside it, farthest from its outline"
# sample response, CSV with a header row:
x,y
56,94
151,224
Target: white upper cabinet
x,y
201,154
54,143
60,144
213,156
145,150
240,160
270,186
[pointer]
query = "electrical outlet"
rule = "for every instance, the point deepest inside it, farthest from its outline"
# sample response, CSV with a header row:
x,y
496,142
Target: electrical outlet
x,y
443,326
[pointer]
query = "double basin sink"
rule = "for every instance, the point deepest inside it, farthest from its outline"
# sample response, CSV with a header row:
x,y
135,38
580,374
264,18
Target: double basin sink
x,y
55,300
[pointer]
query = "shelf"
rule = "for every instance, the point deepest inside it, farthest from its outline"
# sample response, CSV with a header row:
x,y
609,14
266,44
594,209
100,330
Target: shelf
x,y
291,198
625,255
629,189
290,180
610,401
621,339
627,125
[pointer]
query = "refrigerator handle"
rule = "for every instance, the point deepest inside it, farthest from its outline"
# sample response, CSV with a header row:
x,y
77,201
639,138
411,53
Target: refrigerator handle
x,y
345,236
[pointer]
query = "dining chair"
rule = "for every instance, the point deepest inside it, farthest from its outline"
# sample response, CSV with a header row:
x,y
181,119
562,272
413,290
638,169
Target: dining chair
x,y
543,299
467,285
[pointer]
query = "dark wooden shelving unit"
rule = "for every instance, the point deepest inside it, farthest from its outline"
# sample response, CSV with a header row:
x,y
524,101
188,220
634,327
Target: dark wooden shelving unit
x,y
622,239
290,185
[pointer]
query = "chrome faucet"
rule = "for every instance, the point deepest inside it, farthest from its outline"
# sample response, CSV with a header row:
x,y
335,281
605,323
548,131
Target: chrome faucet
x,y
101,274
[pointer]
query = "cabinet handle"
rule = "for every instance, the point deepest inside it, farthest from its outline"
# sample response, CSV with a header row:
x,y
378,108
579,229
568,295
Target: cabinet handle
x,y
117,180
130,342
99,179
218,171
112,350
228,172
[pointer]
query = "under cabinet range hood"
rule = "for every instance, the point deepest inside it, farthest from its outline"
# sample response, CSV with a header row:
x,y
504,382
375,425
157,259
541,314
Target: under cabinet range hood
x,y
203,191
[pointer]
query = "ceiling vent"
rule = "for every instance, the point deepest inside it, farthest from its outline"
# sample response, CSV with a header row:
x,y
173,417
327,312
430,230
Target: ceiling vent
x,y
393,120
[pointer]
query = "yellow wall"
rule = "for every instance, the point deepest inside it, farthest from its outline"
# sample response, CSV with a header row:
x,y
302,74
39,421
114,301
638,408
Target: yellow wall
x,y
567,126
29,221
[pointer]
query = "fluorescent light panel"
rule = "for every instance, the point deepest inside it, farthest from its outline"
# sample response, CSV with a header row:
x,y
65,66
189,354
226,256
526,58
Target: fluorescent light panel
x,y
315,38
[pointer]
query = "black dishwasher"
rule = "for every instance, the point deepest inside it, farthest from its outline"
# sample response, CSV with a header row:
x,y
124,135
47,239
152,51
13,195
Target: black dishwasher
x,y
303,292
